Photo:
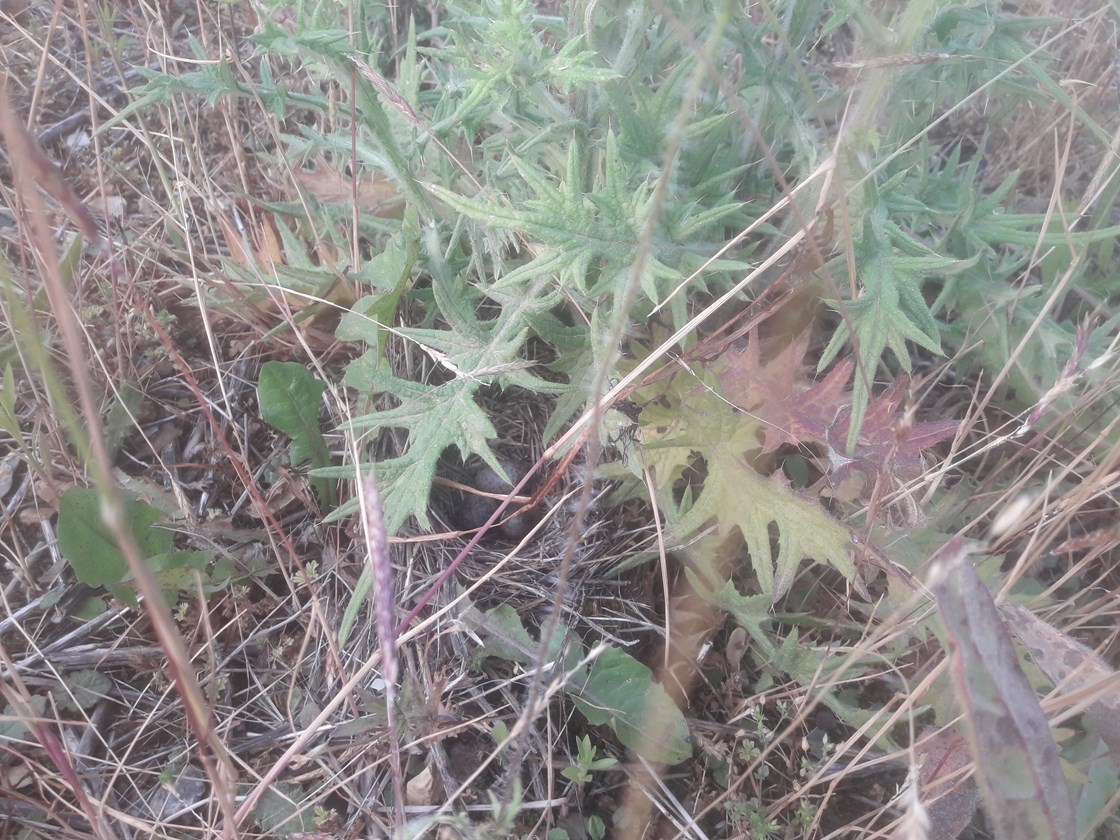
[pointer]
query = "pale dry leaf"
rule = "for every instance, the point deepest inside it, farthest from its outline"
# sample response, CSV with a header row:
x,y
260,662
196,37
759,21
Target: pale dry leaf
x,y
1074,667
236,248
266,241
109,207
915,822
8,466
423,788
375,194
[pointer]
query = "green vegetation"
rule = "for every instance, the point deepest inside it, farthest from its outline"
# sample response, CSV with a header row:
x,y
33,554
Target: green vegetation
x,y
771,347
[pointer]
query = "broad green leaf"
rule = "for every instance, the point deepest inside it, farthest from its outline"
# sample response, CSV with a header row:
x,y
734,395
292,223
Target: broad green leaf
x,y
505,637
618,692
122,416
284,810
86,542
289,399
12,729
175,573
387,274
84,690
9,417
621,692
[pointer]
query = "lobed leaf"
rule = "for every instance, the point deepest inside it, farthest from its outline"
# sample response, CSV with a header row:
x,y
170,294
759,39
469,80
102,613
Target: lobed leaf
x,y
733,493
436,417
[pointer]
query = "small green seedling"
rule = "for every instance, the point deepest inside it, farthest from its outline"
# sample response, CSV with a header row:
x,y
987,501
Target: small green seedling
x,y
586,763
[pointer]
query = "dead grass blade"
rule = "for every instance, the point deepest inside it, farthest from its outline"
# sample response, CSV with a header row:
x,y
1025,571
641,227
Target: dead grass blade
x,y
384,605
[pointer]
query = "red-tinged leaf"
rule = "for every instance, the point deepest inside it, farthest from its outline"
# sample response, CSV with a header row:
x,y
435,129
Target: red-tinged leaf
x,y
768,390
885,447
950,796
794,409
820,405
1075,668
1017,763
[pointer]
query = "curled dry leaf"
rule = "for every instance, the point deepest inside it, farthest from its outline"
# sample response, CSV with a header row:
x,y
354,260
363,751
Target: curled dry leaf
x,y
950,797
263,238
423,788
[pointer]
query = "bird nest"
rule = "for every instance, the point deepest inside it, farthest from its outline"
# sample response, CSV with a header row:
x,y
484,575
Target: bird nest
x,y
516,559
558,546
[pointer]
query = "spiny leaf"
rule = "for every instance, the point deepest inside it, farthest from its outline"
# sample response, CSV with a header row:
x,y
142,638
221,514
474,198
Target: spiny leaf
x,y
733,493
889,312
752,612
887,446
579,229
568,222
879,323
436,417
